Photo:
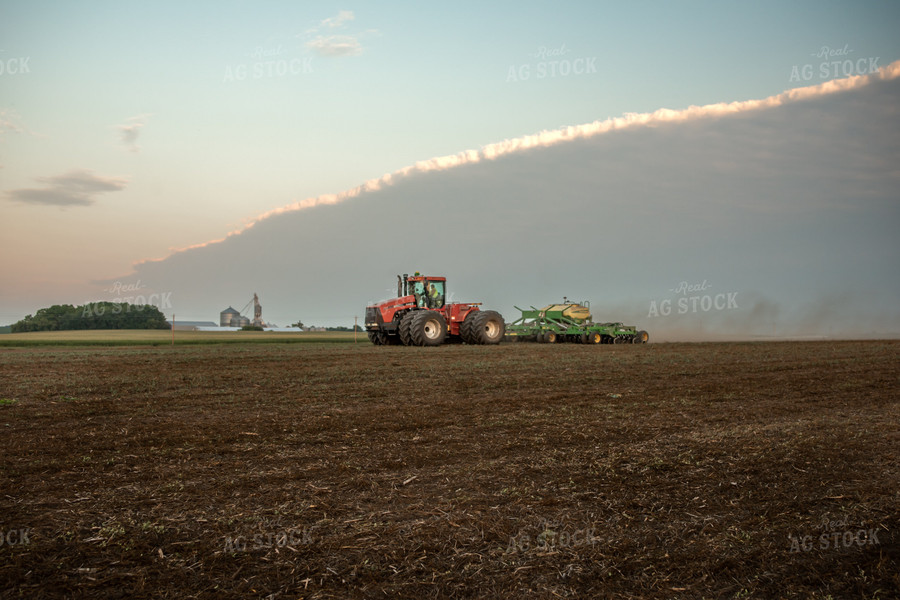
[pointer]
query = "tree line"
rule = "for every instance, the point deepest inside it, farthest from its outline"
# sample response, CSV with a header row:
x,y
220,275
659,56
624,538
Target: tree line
x,y
96,315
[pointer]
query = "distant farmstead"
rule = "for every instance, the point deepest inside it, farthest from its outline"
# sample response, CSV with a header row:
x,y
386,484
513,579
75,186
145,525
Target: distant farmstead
x,y
232,318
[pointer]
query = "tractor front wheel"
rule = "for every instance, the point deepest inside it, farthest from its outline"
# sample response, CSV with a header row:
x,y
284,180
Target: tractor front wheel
x,y
427,328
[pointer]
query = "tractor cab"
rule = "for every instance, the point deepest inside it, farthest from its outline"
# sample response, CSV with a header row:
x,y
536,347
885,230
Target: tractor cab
x,y
429,292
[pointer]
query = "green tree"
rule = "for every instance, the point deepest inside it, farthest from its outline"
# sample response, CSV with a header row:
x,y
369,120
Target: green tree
x,y
96,315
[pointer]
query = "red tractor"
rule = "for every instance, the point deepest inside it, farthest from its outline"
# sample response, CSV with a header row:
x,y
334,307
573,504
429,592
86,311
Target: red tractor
x,y
419,316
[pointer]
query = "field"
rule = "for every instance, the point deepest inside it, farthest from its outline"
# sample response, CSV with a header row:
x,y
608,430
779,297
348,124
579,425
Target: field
x,y
330,470
157,337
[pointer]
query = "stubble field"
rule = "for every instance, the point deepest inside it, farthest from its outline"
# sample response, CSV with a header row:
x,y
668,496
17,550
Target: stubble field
x,y
728,470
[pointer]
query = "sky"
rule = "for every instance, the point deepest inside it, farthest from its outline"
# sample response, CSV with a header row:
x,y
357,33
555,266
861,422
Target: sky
x,y
131,131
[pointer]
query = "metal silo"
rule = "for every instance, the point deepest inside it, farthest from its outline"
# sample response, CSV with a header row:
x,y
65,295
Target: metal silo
x,y
227,316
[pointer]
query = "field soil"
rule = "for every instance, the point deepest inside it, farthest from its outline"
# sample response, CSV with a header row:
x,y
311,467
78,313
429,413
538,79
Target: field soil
x,y
164,337
727,470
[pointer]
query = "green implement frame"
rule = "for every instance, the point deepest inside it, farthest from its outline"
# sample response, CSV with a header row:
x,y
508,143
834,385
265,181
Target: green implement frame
x,y
569,322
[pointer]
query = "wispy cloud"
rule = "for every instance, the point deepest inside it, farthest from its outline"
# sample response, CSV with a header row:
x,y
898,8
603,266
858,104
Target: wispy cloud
x,y
77,187
335,45
11,122
8,122
341,18
130,130
326,43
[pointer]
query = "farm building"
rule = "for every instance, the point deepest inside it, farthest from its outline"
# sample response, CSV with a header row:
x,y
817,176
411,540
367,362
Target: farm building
x,y
190,325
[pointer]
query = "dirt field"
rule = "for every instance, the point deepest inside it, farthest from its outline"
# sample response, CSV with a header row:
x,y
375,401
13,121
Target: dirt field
x,y
757,470
163,337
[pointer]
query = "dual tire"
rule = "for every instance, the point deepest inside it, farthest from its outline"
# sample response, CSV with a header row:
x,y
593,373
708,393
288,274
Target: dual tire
x,y
482,327
423,328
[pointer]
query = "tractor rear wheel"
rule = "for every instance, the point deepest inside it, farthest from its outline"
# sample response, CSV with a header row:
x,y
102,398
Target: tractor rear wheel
x,y
427,328
403,328
487,327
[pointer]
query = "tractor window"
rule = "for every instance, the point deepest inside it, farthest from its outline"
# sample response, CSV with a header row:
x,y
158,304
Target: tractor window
x,y
418,290
435,294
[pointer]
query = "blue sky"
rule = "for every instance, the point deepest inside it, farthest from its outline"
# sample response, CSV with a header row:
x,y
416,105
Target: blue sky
x,y
146,101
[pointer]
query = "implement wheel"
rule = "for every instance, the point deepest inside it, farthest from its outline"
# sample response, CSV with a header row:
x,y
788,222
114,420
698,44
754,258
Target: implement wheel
x,y
427,328
642,337
594,337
